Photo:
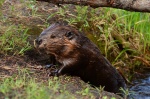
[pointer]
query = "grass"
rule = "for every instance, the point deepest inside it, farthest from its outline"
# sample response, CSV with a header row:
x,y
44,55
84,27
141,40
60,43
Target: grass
x,y
14,41
136,23
25,86
31,5
1,2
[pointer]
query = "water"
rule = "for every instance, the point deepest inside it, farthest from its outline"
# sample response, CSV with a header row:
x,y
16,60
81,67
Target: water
x,y
141,88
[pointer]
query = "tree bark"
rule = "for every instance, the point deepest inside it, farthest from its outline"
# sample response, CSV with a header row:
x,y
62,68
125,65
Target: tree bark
x,y
130,5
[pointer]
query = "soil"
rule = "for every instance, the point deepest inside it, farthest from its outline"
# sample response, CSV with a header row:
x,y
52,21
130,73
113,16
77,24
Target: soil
x,y
11,64
35,64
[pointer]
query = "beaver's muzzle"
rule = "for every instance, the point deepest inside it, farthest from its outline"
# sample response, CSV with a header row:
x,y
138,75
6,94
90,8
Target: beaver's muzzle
x,y
38,41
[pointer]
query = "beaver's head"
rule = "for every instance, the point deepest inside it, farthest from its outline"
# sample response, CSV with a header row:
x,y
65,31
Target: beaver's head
x,y
59,40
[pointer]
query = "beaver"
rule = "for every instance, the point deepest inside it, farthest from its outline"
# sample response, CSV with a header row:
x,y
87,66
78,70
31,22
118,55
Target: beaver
x,y
79,56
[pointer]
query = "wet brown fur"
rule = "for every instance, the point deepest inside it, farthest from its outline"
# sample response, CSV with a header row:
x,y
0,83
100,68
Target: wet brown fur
x,y
79,57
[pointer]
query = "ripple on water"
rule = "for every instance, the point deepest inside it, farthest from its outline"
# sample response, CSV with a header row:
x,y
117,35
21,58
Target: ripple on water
x,y
141,88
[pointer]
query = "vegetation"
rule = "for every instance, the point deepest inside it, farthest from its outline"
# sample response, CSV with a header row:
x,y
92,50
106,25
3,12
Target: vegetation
x,y
14,40
122,36
25,86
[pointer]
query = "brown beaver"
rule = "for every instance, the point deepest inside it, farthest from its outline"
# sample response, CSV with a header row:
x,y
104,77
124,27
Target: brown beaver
x,y
79,57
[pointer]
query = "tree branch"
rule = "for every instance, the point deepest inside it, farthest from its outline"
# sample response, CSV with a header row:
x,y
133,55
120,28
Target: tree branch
x,y
130,5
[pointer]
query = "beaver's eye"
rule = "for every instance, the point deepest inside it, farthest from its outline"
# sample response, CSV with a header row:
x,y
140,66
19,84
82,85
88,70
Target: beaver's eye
x,y
69,35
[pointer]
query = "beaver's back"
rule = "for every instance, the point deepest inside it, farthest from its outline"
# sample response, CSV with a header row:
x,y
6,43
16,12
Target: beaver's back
x,y
98,69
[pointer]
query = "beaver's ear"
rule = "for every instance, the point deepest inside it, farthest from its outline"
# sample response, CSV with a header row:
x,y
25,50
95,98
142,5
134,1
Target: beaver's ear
x,y
69,35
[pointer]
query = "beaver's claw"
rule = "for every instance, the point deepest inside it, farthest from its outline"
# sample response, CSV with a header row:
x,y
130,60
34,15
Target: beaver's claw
x,y
48,66
53,73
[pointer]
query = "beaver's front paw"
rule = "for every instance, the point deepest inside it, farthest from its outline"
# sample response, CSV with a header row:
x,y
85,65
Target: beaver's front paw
x,y
53,73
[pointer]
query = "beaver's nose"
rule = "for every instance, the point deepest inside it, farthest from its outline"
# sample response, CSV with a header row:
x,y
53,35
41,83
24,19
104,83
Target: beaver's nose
x,y
38,41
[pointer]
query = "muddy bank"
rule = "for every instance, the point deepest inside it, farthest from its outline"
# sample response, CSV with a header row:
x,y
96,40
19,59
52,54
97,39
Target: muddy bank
x,y
35,67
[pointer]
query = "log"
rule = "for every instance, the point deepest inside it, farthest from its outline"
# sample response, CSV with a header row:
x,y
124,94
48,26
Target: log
x,y
130,5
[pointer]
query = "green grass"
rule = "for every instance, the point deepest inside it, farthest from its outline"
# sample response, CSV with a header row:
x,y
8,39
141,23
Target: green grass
x,y
25,86
31,4
135,22
14,40
1,2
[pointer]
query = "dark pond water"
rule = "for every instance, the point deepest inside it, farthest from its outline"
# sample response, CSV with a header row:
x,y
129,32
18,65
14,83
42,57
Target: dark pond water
x,y
141,88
